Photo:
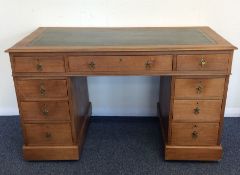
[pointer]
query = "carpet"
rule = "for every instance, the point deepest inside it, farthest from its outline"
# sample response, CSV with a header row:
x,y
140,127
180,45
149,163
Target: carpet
x,y
118,146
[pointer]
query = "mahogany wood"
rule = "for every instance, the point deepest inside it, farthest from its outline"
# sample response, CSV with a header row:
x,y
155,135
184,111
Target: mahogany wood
x,y
50,88
214,62
59,152
210,88
51,152
39,64
206,133
164,107
220,43
80,106
48,134
120,63
197,110
50,69
206,153
45,110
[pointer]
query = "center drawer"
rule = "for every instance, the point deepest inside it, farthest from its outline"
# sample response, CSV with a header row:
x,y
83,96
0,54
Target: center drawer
x,y
120,63
194,133
48,134
41,88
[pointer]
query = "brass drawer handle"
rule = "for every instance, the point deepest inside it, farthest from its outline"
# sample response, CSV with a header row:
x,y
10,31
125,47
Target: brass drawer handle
x,y
148,65
39,67
199,89
42,90
203,62
48,135
45,110
91,65
194,134
196,110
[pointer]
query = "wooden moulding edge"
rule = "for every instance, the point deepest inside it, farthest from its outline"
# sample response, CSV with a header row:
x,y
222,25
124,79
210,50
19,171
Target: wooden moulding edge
x,y
197,153
51,152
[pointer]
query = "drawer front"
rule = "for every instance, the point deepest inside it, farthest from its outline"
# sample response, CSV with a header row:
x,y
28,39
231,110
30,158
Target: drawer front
x,y
41,88
197,110
212,62
194,133
40,64
199,88
48,134
45,111
120,63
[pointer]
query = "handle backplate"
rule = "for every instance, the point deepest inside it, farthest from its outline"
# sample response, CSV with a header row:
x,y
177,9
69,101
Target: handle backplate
x,y
194,134
39,67
203,63
148,64
199,88
45,110
48,135
42,89
91,65
196,110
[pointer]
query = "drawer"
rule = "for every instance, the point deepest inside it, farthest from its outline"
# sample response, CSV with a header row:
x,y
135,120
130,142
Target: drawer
x,y
120,63
39,64
48,134
197,110
41,88
194,133
199,88
45,111
211,62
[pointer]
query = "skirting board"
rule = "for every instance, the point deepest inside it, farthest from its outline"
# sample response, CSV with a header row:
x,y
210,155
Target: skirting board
x,y
232,112
229,112
123,111
9,111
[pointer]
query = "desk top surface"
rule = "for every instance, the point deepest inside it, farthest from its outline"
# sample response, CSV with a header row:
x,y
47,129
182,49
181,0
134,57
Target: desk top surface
x,y
59,39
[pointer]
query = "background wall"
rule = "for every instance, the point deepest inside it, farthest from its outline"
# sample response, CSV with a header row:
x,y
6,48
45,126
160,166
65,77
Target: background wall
x,y
117,95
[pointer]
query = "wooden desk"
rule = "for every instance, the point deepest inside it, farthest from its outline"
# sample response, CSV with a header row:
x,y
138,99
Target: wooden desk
x,y
50,69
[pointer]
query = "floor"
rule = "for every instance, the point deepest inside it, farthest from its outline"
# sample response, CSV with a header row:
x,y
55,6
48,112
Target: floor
x,y
114,146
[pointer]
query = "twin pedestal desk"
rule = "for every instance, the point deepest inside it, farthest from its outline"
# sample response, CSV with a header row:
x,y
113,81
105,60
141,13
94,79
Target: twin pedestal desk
x,y
50,69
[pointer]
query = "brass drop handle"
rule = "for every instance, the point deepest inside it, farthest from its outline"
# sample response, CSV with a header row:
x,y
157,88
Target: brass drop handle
x,y
45,110
148,64
199,89
194,134
39,67
91,65
203,62
42,90
196,110
48,135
